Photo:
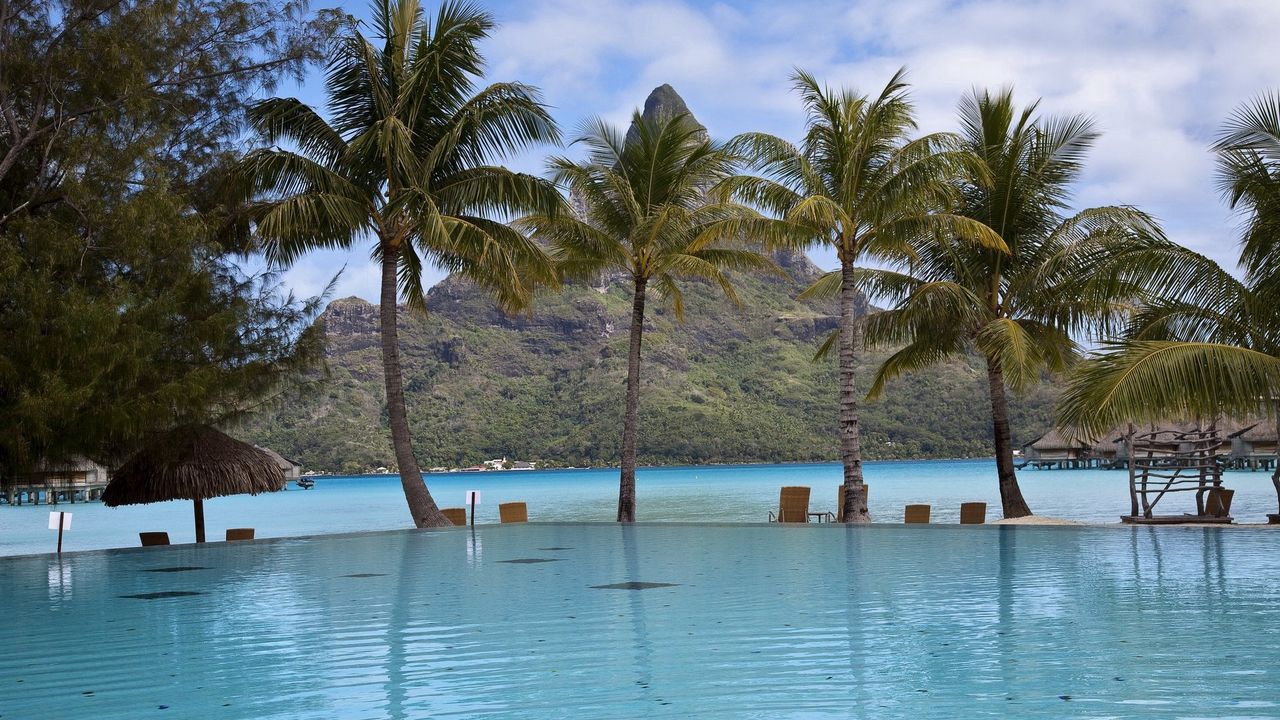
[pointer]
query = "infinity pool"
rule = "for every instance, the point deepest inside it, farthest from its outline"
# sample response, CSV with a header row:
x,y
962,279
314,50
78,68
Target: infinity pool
x,y
606,621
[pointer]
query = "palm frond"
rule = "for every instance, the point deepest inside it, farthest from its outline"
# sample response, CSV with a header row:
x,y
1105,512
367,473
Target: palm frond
x,y
1152,381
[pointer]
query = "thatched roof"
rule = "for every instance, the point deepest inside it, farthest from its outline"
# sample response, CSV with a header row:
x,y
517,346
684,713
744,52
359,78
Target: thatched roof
x,y
284,462
1262,431
1053,440
192,463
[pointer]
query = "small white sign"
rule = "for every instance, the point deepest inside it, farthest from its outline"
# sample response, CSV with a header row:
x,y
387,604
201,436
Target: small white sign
x,y
54,518
473,497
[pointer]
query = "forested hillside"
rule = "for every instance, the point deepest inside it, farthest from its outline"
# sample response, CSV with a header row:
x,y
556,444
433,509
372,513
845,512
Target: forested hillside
x,y
729,385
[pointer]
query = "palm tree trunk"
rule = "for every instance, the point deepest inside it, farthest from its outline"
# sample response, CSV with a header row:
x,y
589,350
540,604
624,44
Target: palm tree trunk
x,y
421,505
1275,475
631,415
1011,500
855,490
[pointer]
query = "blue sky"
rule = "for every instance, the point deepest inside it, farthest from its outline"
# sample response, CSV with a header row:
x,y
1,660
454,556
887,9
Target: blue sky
x,y
1157,76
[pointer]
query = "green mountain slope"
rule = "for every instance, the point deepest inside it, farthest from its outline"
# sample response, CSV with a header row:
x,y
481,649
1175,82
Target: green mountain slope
x,y
729,385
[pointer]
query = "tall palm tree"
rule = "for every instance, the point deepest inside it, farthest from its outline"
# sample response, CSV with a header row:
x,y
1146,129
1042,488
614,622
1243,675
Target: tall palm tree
x,y
405,159
1020,307
1209,346
646,214
861,185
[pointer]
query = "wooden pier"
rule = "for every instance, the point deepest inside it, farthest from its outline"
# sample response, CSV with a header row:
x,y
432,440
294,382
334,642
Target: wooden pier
x,y
52,493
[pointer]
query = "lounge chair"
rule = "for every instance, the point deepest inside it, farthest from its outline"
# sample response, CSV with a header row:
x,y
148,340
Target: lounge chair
x,y
513,512
1218,504
457,516
153,538
916,514
838,516
973,513
234,534
793,505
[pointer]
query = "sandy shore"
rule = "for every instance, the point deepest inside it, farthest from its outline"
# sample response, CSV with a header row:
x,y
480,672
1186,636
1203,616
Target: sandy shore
x,y
1037,520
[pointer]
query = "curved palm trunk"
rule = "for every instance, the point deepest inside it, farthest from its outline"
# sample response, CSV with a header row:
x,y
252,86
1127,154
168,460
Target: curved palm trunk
x,y
1011,500
631,415
421,505
855,490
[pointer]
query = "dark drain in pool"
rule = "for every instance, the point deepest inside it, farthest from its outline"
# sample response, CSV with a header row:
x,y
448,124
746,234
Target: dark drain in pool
x,y
633,586
556,548
176,568
161,595
530,561
364,575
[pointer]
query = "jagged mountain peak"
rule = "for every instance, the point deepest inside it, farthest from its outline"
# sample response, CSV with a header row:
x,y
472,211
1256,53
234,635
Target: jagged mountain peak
x,y
664,102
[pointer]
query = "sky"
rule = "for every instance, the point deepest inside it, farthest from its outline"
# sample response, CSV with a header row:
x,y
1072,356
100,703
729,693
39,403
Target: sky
x,y
1158,77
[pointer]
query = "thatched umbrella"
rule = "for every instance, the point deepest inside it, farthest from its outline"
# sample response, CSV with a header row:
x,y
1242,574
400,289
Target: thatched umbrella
x,y
192,462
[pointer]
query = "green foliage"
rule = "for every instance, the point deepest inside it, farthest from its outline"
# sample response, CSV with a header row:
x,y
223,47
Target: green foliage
x,y
407,157
730,384
122,314
1205,344
1056,275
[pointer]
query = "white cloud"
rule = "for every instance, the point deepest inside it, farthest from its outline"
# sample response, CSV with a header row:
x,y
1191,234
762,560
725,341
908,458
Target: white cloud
x,y
1158,77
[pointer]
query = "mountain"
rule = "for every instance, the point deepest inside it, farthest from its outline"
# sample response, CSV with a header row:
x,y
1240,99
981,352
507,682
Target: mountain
x,y
730,384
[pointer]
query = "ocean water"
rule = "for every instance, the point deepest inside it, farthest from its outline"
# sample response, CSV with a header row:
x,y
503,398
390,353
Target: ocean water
x,y
728,493
655,621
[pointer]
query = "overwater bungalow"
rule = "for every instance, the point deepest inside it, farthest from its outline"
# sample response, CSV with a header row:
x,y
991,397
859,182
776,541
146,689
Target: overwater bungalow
x,y
1253,447
291,468
74,480
1053,450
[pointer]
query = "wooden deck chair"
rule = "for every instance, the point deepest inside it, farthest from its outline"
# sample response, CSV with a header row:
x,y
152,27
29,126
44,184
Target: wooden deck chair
x,y
973,513
234,534
839,513
153,538
513,512
457,516
1218,504
916,514
793,505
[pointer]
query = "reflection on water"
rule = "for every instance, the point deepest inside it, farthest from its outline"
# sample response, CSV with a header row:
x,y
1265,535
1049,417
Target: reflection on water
x,y
818,621
59,580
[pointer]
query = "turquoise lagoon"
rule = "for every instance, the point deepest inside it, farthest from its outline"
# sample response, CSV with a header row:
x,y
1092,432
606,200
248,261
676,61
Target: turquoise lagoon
x,y
680,494
653,620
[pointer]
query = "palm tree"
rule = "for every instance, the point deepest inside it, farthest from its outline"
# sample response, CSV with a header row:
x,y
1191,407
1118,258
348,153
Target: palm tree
x,y
645,213
859,184
1018,308
1210,346
406,159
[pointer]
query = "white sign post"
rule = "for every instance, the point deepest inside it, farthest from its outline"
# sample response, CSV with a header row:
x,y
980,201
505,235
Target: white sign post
x,y
60,521
473,499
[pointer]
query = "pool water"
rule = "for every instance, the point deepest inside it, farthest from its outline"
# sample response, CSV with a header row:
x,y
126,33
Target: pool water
x,y
725,493
655,620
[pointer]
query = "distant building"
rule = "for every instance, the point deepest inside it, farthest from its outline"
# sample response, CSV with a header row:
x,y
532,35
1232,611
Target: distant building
x,y
292,469
522,465
1254,447
77,478
1053,450
500,464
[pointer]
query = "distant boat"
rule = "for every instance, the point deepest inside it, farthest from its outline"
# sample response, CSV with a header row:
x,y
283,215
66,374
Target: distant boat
x,y
305,483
